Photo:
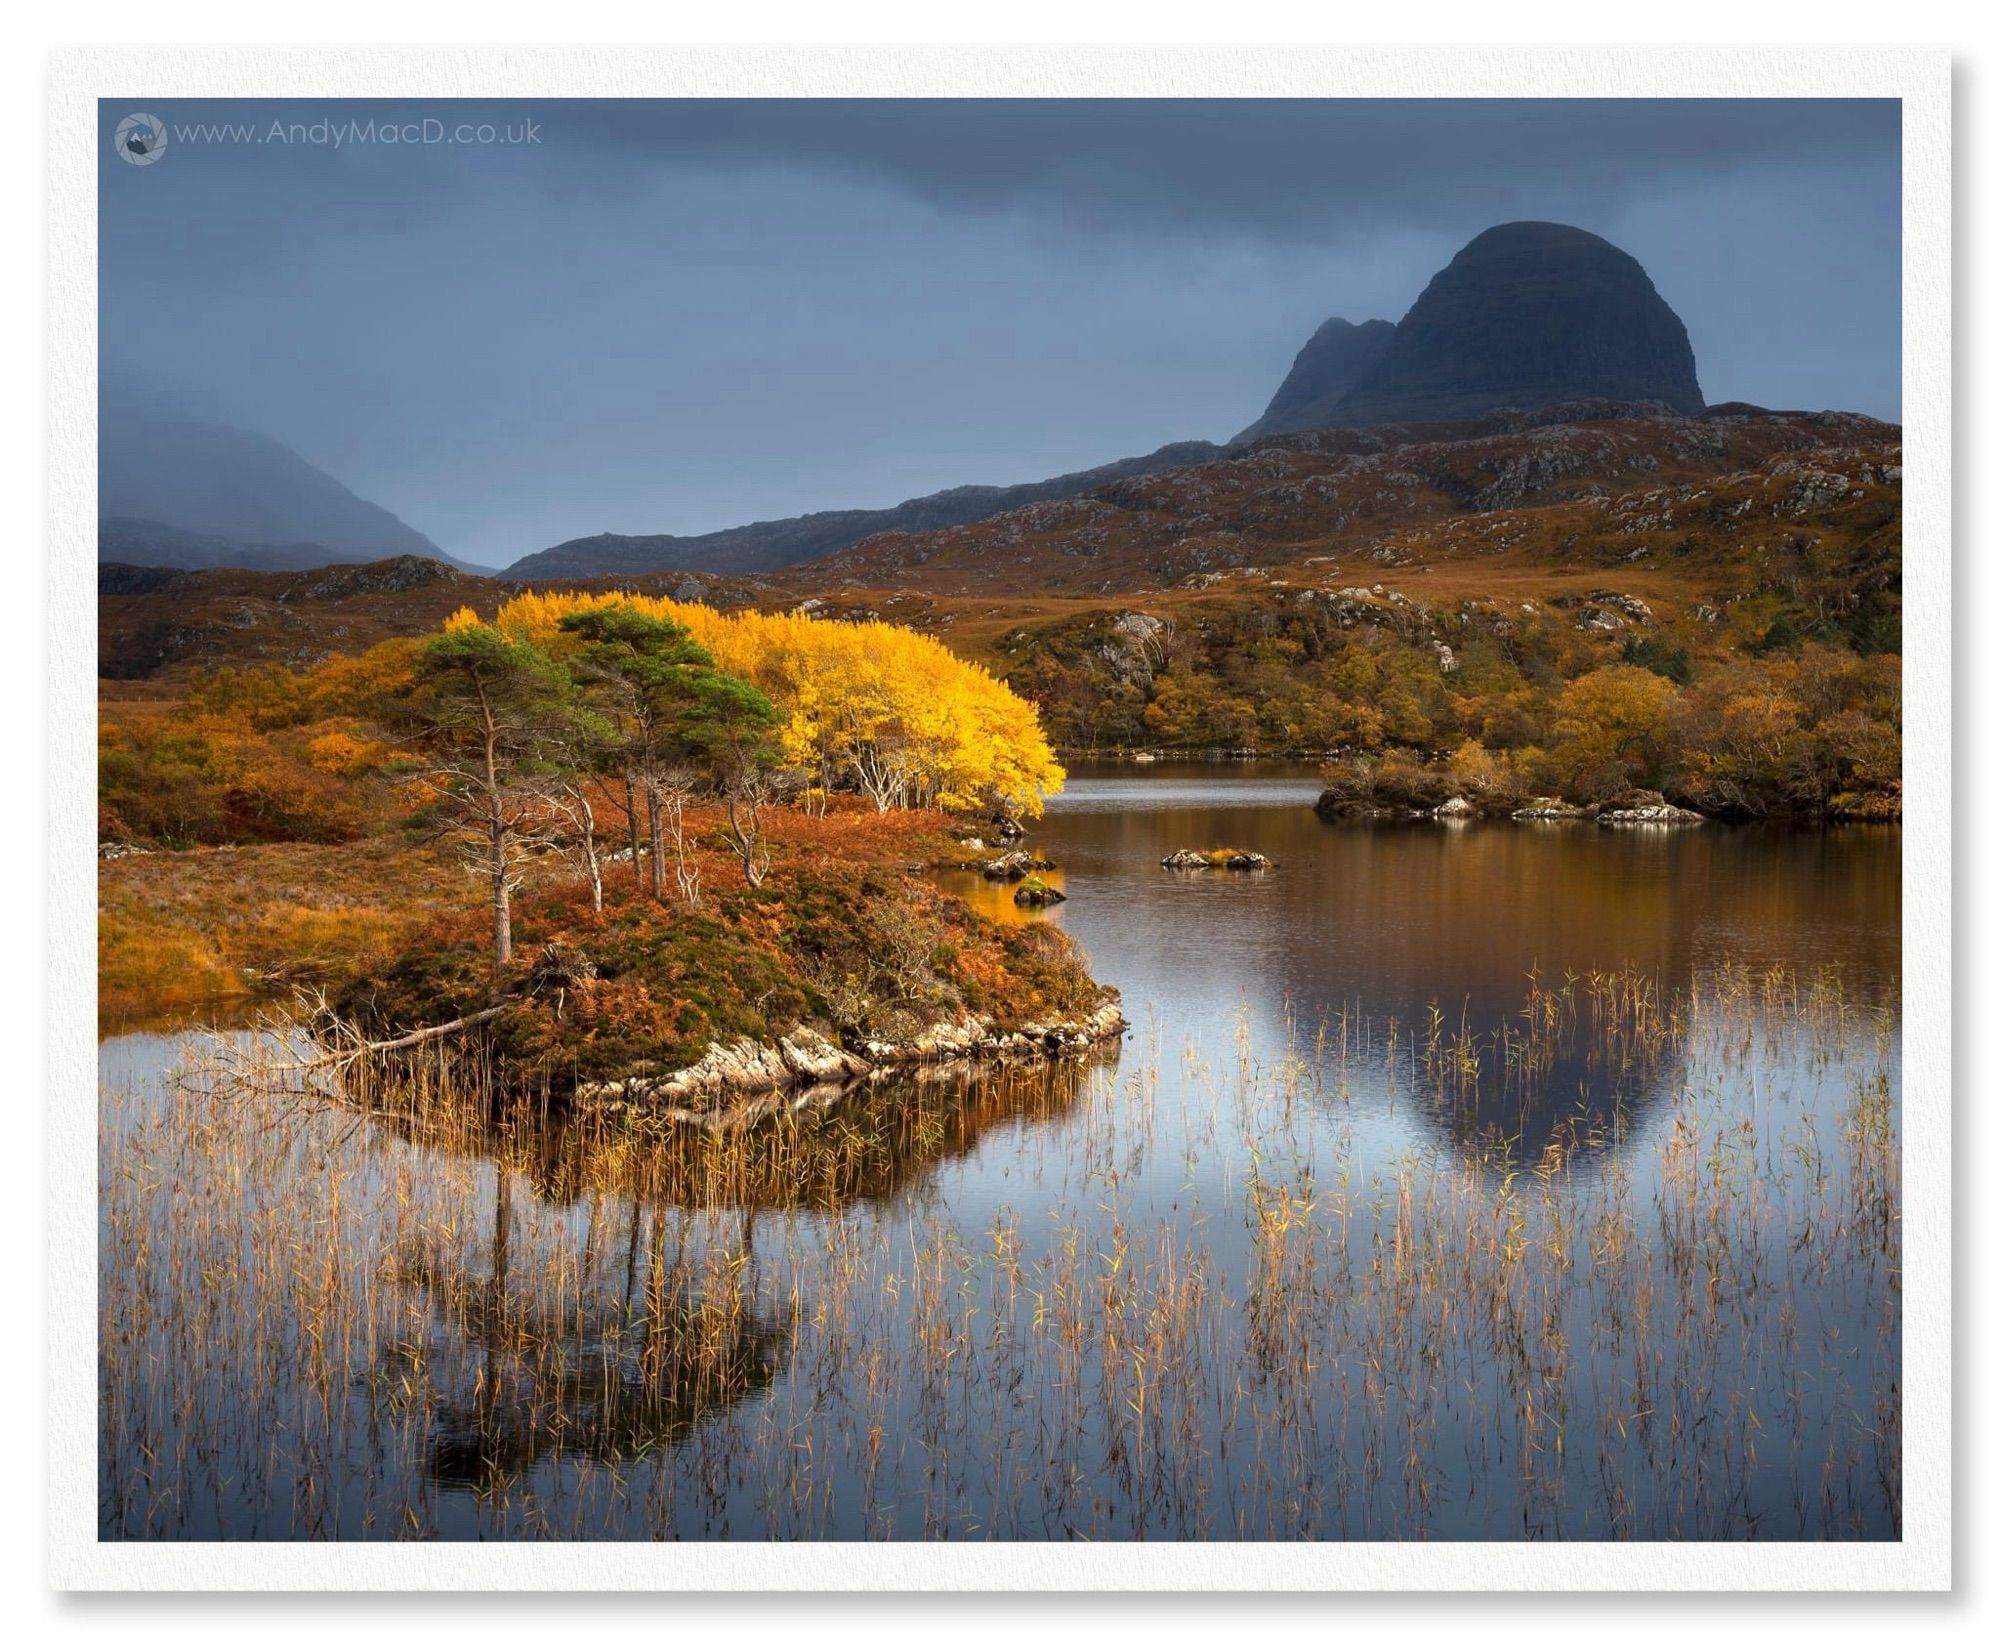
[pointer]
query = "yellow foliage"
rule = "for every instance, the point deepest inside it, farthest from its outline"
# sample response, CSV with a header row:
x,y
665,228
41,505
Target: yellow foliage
x,y
339,752
871,704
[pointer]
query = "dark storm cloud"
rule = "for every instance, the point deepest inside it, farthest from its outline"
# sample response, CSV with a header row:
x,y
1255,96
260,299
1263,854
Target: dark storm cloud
x,y
1287,169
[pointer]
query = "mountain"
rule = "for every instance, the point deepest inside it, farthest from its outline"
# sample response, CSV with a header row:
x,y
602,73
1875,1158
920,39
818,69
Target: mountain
x,y
749,548
1323,374
1528,315
192,492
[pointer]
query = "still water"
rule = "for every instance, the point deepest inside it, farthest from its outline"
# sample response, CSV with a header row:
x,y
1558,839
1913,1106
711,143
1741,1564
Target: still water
x,y
1473,1181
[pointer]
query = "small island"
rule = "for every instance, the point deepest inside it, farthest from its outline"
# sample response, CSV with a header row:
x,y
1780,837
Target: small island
x,y
701,846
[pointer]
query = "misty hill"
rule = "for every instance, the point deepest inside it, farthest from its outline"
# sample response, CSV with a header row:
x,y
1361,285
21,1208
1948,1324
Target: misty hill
x,y
173,489
749,548
1527,315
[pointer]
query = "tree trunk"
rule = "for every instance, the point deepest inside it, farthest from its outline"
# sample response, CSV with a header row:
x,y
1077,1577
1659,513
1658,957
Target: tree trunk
x,y
656,864
687,873
590,856
503,914
497,840
749,838
632,826
503,919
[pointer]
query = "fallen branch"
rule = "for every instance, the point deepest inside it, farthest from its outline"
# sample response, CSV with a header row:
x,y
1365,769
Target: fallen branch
x,y
359,1048
431,1031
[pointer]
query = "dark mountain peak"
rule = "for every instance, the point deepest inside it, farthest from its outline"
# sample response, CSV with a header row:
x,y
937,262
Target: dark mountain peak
x,y
1529,314
1506,238
1325,369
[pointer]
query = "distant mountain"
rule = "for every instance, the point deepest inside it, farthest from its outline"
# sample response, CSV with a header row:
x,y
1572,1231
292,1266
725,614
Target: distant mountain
x,y
195,493
1526,316
750,548
1321,376
1529,314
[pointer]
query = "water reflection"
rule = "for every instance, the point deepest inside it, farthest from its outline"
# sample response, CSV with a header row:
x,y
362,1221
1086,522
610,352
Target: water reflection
x,y
867,1143
1444,929
1497,1183
587,1375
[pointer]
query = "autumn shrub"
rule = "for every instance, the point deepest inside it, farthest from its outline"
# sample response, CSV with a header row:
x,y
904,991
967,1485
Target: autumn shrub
x,y
1814,733
1615,730
186,780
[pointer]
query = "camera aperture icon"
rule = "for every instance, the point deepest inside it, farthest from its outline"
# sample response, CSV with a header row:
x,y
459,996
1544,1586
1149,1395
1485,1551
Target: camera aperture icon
x,y
140,139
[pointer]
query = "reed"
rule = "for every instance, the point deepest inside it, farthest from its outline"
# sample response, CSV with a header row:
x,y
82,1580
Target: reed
x,y
1625,1266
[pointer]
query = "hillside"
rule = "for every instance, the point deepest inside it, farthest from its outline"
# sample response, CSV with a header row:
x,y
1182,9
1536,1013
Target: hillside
x,y
774,544
154,620
1334,502
1694,508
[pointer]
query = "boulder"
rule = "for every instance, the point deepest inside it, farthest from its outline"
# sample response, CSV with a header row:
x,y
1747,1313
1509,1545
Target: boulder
x,y
742,1084
1548,808
1035,893
1455,808
1659,812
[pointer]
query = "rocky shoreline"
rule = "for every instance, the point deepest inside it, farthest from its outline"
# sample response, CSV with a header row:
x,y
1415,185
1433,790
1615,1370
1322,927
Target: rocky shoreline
x,y
1633,808
738,1085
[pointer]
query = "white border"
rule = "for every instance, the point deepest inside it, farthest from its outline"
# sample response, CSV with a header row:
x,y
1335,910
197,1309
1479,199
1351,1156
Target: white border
x,y
1921,77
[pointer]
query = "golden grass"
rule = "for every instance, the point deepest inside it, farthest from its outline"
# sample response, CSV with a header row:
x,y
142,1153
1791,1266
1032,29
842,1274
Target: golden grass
x,y
227,924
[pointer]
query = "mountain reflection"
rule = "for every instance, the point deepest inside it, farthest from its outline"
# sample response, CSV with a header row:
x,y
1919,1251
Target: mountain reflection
x,y
1422,942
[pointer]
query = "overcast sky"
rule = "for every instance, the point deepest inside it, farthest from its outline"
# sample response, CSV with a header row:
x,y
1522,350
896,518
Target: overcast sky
x,y
676,316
